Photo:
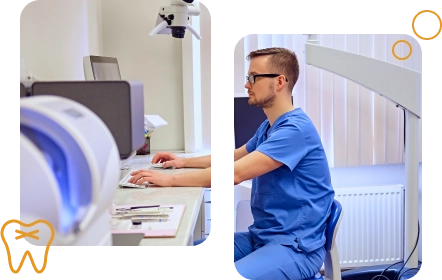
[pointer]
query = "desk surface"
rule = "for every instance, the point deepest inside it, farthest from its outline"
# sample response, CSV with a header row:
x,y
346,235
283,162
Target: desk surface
x,y
191,196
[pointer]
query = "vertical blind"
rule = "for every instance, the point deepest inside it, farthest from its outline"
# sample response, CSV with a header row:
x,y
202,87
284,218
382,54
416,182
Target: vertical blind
x,y
357,126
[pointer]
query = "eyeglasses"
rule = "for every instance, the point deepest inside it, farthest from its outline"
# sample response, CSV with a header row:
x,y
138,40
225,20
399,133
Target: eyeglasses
x,y
251,78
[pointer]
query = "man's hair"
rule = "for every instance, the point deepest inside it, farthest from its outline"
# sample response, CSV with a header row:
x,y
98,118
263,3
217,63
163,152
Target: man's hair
x,y
282,61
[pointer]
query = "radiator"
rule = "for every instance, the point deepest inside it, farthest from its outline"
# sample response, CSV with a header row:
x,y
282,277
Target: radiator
x,y
372,228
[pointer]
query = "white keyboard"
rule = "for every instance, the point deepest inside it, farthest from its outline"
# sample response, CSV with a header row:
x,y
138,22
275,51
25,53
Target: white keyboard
x,y
124,184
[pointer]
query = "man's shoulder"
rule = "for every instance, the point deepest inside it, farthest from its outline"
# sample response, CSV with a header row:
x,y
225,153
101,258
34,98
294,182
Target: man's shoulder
x,y
298,118
263,125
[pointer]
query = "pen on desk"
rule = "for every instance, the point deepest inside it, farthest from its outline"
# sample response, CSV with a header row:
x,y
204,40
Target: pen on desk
x,y
159,209
143,212
139,207
138,220
144,215
125,216
136,207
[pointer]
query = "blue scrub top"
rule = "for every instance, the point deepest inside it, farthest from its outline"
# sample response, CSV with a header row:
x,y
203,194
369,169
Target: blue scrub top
x,y
290,205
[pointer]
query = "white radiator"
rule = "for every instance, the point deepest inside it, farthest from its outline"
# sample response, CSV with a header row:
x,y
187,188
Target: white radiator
x,y
371,230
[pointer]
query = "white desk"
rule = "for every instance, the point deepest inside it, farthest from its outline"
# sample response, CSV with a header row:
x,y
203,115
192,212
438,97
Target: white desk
x,y
192,224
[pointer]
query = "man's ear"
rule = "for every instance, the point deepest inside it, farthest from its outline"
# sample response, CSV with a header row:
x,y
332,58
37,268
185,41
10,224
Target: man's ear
x,y
280,83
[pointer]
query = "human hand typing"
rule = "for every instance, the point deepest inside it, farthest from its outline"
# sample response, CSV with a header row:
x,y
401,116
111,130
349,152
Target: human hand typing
x,y
154,177
168,160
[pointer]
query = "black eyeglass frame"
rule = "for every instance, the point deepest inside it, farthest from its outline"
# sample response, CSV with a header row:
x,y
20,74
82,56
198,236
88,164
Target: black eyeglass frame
x,y
263,75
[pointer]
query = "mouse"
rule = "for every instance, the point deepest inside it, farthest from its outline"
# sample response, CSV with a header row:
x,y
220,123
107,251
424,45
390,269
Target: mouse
x,y
158,165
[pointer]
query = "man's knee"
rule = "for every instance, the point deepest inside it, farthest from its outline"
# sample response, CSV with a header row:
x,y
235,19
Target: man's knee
x,y
250,270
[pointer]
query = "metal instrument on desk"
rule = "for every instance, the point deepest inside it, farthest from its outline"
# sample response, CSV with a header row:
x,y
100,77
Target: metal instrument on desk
x,y
143,212
139,221
139,213
141,216
150,207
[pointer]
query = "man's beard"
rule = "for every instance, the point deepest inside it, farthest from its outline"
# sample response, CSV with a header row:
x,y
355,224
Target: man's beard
x,y
267,102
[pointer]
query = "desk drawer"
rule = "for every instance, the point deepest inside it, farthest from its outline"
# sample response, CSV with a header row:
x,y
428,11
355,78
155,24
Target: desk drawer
x,y
208,215
208,226
207,209
207,195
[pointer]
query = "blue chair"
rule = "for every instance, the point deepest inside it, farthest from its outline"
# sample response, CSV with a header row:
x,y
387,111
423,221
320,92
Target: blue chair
x,y
199,241
332,268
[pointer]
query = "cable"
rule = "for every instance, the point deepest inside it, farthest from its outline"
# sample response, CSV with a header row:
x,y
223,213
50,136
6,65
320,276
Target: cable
x,y
384,272
415,245
406,272
380,275
405,123
405,128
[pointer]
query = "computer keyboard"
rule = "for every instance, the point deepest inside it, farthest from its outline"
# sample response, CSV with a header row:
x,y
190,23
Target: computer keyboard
x,y
124,184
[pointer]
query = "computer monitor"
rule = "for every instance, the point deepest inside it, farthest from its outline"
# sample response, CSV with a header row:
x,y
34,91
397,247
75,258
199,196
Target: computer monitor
x,y
101,68
247,119
119,104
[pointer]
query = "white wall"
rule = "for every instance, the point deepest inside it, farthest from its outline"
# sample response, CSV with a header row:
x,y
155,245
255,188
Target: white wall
x,y
155,61
55,35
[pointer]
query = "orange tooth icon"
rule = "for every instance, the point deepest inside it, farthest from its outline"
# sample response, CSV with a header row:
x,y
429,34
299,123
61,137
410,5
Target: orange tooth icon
x,y
31,234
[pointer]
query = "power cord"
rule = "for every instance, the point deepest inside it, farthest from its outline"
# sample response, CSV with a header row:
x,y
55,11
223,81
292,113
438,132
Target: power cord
x,y
398,273
381,275
406,272
415,245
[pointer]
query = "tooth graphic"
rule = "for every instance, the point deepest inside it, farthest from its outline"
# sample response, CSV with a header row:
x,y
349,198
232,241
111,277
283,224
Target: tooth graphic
x,y
28,234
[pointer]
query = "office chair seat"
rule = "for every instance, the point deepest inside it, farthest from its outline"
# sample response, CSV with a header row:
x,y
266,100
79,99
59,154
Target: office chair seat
x,y
332,267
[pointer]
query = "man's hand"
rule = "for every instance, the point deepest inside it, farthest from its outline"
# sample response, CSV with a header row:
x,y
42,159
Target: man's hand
x,y
198,178
154,177
168,159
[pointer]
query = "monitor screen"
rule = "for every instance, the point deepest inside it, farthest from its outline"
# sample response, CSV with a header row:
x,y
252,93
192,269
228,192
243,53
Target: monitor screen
x,y
101,68
247,119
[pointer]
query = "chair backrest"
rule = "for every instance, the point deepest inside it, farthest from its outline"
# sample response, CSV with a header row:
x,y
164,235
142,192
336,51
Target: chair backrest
x,y
332,269
332,224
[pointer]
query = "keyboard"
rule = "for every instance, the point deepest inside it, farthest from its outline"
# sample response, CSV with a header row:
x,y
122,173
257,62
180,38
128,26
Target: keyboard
x,y
124,184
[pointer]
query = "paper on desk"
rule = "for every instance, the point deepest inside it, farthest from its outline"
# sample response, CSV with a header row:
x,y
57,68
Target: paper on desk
x,y
152,122
151,229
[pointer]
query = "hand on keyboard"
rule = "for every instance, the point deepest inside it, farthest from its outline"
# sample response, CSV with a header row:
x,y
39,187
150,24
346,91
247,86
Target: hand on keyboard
x,y
159,178
124,182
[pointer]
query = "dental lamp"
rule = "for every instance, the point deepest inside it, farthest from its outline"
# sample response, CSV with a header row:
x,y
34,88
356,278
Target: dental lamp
x,y
174,19
69,170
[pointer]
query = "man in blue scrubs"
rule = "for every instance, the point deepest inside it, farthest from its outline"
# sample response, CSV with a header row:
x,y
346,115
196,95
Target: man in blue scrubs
x,y
291,191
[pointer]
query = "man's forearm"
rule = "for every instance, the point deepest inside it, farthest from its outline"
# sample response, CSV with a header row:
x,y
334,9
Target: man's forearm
x,y
240,153
198,162
199,178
